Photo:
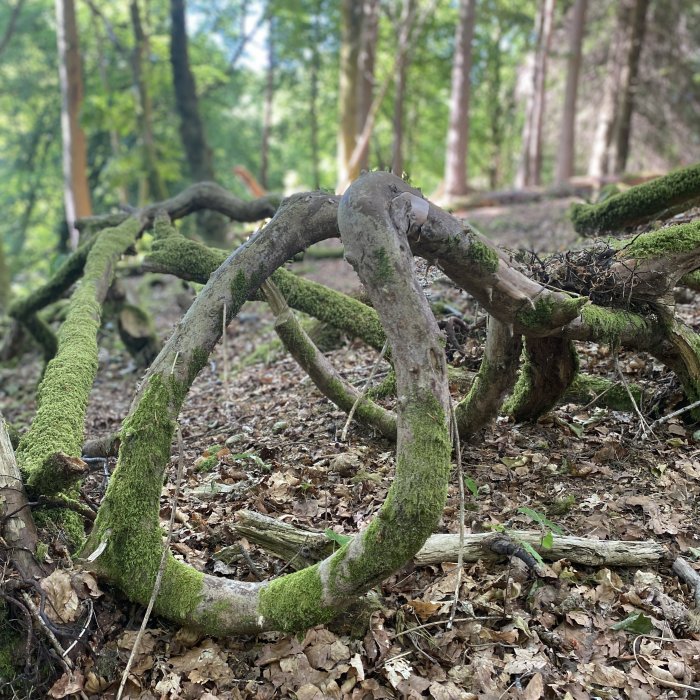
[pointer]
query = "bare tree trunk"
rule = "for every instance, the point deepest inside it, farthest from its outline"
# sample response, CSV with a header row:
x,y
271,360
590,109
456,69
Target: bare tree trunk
x,y
406,24
458,130
199,157
351,27
628,84
11,25
76,192
144,112
529,172
567,137
315,68
366,61
4,281
599,163
267,109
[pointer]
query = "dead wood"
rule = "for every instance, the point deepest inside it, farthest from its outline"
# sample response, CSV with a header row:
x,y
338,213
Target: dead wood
x,y
300,547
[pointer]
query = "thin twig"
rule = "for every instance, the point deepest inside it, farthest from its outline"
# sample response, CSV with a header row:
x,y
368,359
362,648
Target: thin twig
x,y
668,417
460,475
648,672
161,567
363,393
644,427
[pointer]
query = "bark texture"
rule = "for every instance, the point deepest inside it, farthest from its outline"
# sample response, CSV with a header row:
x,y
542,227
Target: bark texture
x,y
567,136
75,184
458,129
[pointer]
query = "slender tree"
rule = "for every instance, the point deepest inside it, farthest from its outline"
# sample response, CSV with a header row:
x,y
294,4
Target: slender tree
x,y
458,130
600,161
314,70
529,172
628,83
197,151
366,62
267,108
403,61
567,136
144,111
351,31
76,192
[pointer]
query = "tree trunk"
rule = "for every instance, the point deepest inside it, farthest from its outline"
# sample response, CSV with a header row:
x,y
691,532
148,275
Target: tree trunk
x,y
351,29
458,131
267,107
156,188
567,137
402,63
366,61
4,281
76,192
600,161
529,172
199,157
628,84
314,70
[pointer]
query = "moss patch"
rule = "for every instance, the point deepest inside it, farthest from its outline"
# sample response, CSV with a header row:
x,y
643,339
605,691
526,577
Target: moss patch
x,y
608,324
481,254
641,203
63,394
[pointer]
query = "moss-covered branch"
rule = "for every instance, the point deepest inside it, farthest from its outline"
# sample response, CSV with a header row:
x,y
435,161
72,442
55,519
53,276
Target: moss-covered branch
x,y
495,378
549,369
63,393
660,198
322,373
128,522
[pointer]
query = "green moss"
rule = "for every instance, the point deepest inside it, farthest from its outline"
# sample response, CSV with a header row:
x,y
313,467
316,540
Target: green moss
x,y
413,505
240,290
384,267
294,602
207,465
541,315
63,394
586,388
481,254
667,194
185,258
129,516
387,387
608,324
684,238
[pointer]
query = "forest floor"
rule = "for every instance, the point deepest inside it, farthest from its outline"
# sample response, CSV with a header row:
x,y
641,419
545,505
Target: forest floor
x,y
578,632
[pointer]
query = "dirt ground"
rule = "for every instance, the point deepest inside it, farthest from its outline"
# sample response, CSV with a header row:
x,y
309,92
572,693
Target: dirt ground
x,y
574,632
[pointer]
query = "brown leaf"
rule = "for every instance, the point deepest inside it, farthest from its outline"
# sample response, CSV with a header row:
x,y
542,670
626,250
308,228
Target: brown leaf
x,y
535,688
608,676
62,602
424,610
67,684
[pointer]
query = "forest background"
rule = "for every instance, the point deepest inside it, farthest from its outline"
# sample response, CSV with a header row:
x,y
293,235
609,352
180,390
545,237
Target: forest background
x,y
276,87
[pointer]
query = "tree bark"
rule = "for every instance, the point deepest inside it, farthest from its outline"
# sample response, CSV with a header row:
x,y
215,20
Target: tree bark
x,y
4,281
156,188
303,547
458,130
199,156
366,61
267,107
76,192
529,172
403,61
628,84
351,30
567,137
600,161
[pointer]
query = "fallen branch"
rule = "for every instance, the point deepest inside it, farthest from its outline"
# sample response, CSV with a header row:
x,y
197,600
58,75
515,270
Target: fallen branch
x,y
303,547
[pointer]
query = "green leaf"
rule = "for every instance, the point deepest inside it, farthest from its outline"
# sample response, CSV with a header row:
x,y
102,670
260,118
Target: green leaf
x,y
540,519
472,486
532,551
637,623
548,540
335,537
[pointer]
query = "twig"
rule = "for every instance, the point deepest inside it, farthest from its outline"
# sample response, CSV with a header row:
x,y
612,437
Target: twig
x,y
690,576
648,672
644,428
460,475
161,567
65,662
668,417
363,393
